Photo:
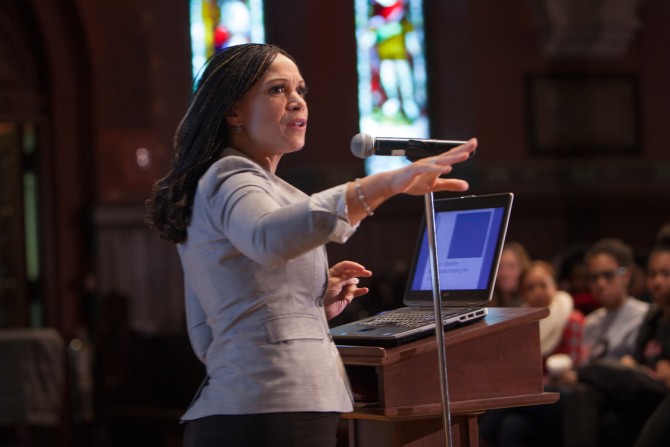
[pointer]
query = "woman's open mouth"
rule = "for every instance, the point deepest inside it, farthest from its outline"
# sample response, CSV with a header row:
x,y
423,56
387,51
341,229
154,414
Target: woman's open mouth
x,y
298,124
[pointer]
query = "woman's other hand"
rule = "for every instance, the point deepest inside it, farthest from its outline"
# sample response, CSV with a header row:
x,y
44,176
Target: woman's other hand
x,y
343,286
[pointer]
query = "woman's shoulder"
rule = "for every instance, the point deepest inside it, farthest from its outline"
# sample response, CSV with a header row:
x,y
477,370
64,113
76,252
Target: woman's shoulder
x,y
232,161
231,164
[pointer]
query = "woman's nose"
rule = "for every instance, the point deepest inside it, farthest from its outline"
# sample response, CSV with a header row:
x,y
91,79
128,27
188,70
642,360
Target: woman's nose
x,y
296,102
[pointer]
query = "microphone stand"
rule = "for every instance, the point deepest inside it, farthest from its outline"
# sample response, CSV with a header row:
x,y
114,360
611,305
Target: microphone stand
x,y
439,324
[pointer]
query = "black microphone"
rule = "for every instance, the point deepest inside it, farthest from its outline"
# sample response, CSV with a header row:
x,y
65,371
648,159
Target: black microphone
x,y
363,145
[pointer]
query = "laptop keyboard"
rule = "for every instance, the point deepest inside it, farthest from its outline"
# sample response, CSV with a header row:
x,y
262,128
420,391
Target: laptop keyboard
x,y
415,318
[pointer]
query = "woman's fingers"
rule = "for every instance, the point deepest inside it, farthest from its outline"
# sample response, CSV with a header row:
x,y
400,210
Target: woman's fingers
x,y
352,292
457,154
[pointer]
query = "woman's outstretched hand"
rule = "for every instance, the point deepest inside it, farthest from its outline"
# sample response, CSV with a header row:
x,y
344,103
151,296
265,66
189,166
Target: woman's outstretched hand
x,y
343,286
423,176
418,178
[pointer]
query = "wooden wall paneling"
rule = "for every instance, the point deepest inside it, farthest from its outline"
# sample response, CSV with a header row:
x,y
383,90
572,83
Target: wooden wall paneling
x,y
134,262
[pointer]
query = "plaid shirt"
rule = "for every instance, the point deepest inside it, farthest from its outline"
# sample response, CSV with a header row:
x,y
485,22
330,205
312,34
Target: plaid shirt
x,y
572,340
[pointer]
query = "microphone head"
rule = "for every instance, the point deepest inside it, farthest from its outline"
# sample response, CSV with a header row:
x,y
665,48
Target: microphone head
x,y
362,145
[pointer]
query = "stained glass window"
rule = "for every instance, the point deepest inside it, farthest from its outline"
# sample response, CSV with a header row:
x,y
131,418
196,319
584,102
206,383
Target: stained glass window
x,y
217,24
392,93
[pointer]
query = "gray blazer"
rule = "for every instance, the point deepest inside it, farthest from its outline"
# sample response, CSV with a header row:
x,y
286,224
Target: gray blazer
x,y
255,272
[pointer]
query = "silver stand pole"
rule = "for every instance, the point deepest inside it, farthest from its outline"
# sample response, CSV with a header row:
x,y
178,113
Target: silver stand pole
x,y
439,324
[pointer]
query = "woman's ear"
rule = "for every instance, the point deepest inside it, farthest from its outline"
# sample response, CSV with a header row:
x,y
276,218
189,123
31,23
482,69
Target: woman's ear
x,y
233,119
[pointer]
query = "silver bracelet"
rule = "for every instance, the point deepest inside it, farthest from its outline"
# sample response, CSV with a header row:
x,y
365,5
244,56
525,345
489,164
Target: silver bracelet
x,y
361,197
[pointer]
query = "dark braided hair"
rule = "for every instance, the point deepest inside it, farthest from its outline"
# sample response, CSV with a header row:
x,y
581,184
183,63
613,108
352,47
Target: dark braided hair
x,y
203,133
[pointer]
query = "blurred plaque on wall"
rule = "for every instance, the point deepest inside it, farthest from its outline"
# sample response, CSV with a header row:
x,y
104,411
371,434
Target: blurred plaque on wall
x,y
591,115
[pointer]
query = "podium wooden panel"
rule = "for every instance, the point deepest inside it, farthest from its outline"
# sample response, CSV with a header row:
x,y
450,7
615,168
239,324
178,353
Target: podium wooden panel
x,y
493,363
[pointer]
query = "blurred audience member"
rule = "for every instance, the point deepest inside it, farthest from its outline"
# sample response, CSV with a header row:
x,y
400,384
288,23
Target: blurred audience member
x,y
611,329
562,331
561,347
572,278
652,354
610,334
513,261
656,430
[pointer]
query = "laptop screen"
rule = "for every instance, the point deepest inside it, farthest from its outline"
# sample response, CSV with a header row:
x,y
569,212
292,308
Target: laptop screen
x,y
470,232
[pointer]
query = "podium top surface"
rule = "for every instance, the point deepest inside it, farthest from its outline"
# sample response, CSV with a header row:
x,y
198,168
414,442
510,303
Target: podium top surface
x,y
498,319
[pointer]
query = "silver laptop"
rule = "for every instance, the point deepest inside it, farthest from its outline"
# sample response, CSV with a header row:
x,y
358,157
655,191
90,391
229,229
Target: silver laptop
x,y
470,232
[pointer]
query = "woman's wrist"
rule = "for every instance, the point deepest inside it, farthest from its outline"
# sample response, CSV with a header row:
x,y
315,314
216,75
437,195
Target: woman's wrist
x,y
361,198
365,195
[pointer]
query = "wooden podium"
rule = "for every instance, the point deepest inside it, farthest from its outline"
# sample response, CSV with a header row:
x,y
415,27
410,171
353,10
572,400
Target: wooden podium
x,y
493,363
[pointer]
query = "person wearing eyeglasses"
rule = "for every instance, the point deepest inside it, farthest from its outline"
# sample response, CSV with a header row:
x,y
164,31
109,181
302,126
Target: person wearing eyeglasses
x,y
590,416
626,402
610,330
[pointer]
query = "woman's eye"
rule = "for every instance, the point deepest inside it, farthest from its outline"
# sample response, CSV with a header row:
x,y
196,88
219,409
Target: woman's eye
x,y
282,90
277,90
